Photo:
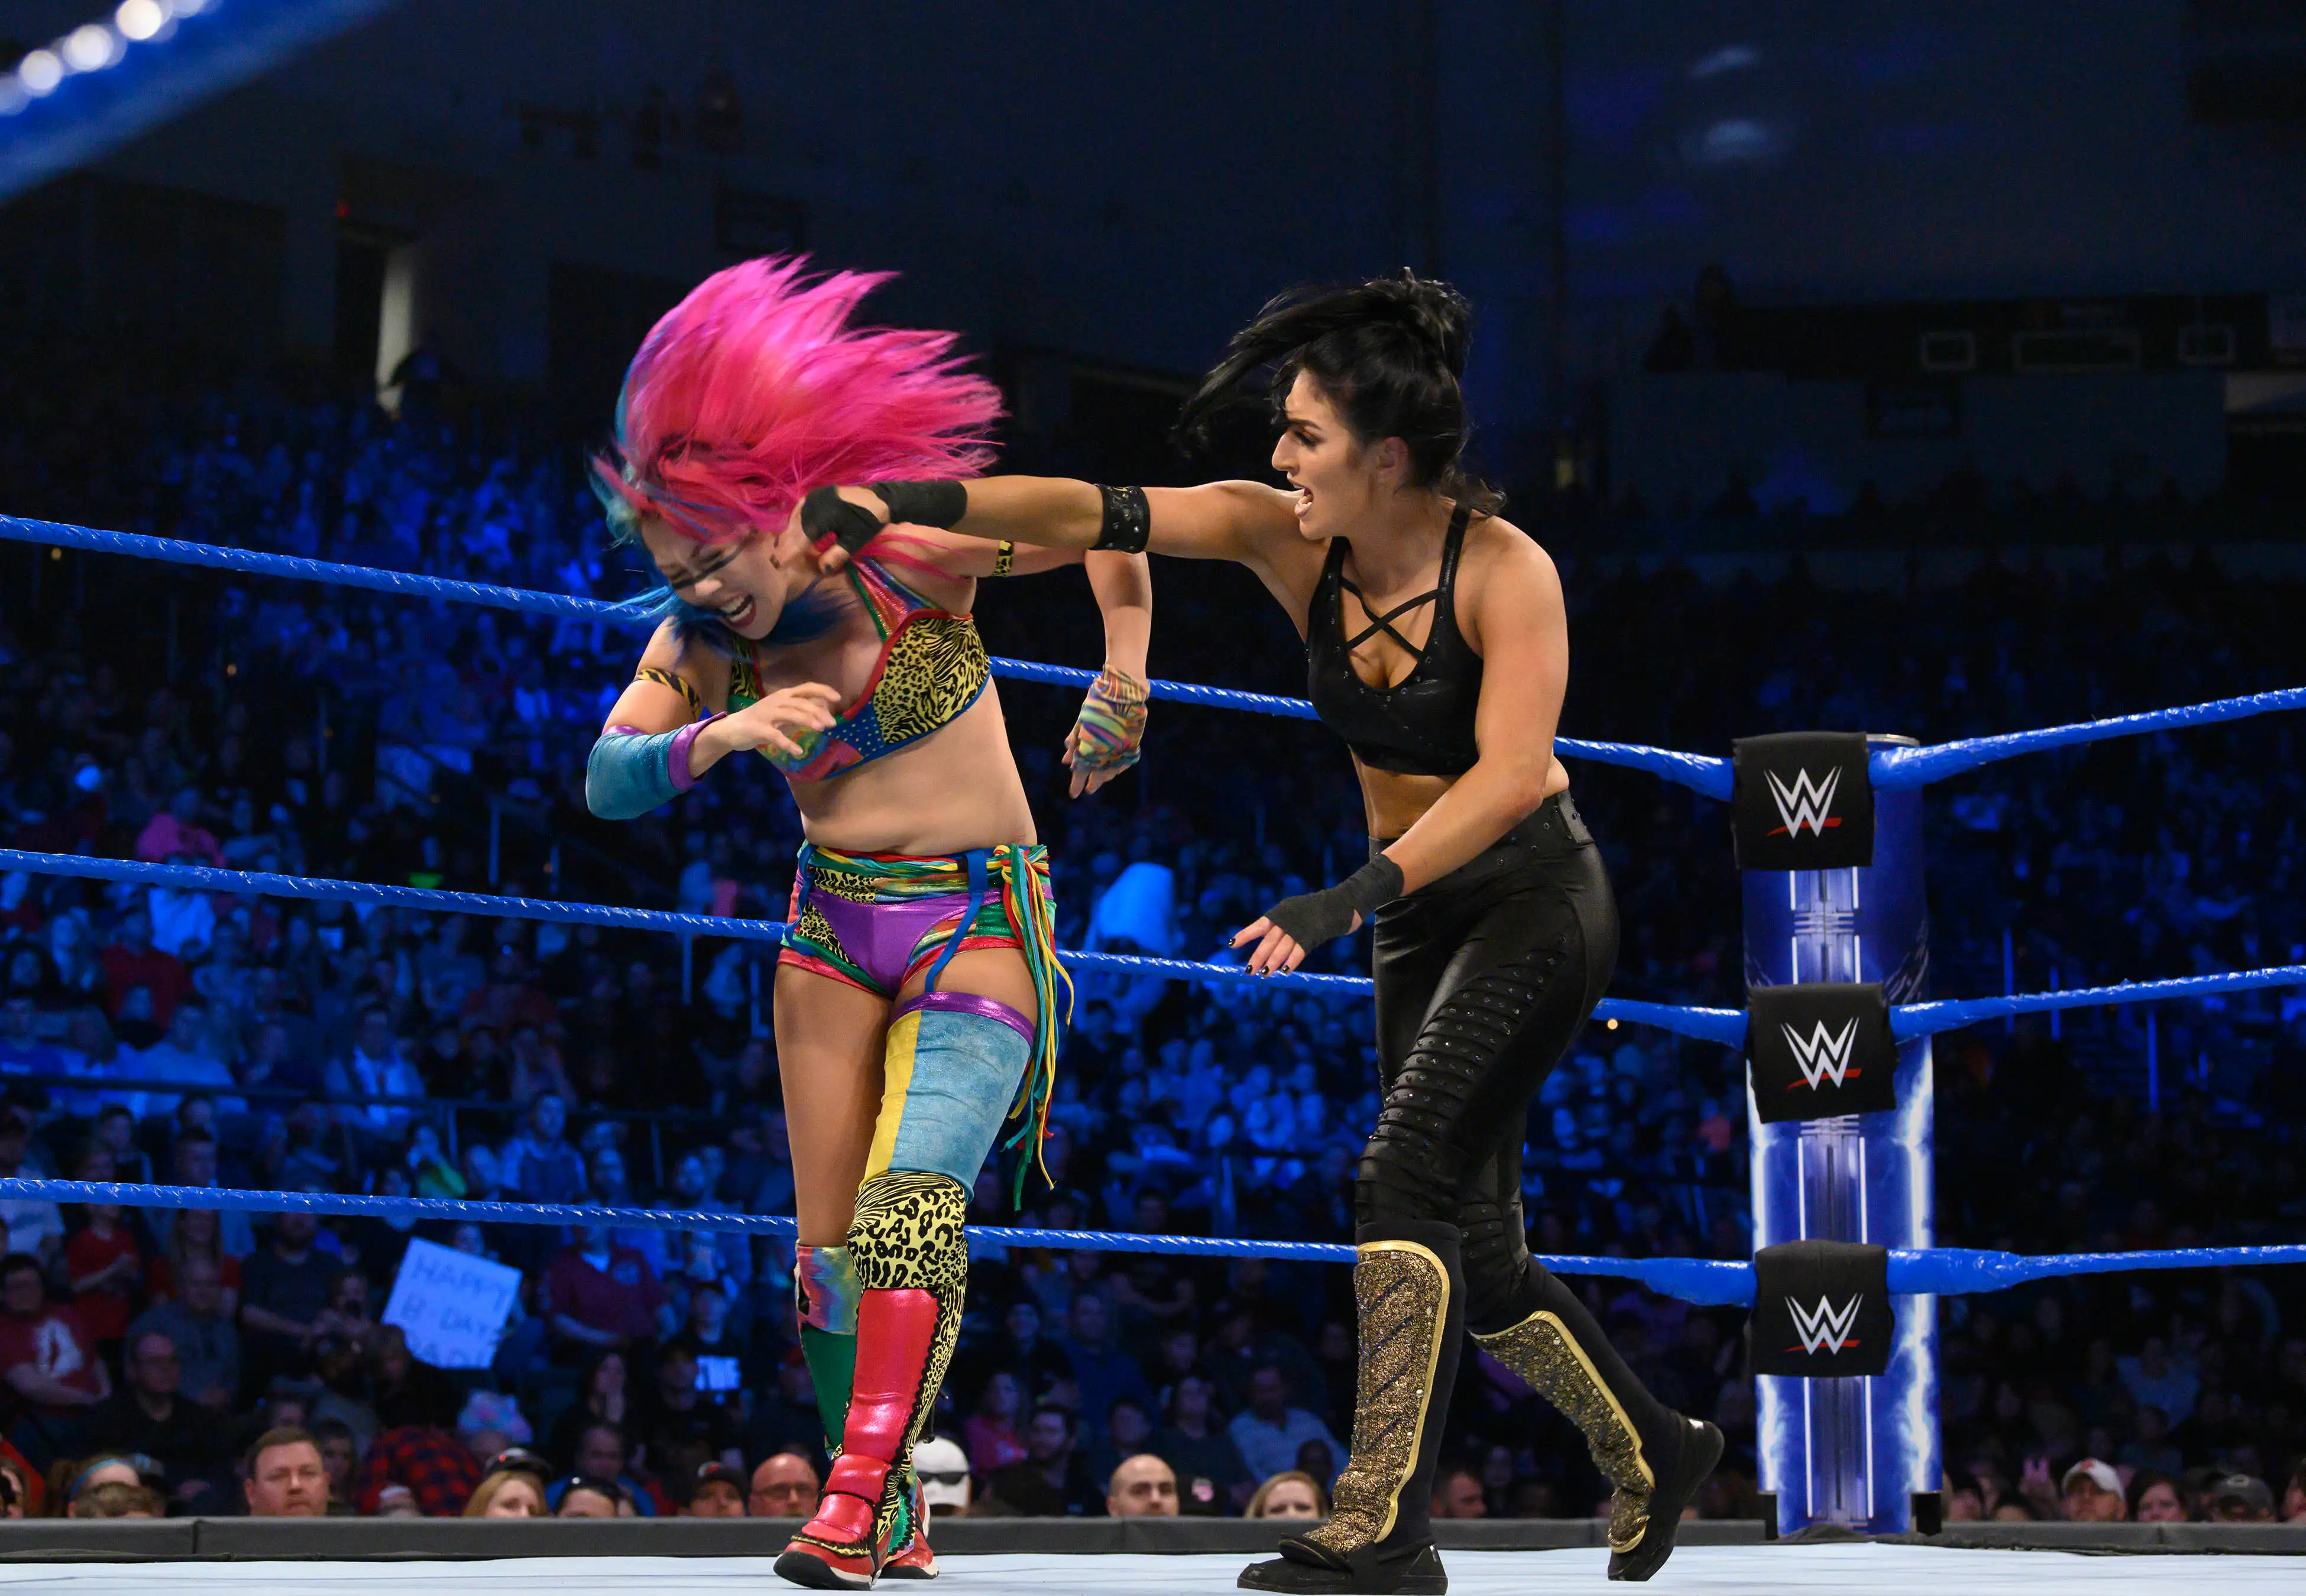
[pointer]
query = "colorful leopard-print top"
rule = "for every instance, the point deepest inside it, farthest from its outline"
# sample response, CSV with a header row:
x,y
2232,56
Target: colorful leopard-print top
x,y
933,666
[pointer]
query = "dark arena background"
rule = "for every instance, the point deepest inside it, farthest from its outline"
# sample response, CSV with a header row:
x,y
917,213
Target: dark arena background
x,y
1923,370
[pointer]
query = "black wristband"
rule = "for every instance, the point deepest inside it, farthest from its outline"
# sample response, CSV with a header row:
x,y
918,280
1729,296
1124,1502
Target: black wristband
x,y
941,503
1127,521
1312,919
828,519
1372,886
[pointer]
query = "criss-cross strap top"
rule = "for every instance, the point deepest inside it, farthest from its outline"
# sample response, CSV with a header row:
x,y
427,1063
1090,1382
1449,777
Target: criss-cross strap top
x,y
1424,725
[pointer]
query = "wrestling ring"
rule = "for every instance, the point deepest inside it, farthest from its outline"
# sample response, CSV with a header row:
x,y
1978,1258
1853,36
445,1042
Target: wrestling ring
x,y
1848,1439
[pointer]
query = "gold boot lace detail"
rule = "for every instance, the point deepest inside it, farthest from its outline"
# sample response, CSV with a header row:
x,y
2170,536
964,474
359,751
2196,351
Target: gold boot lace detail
x,y
1403,1293
1542,1351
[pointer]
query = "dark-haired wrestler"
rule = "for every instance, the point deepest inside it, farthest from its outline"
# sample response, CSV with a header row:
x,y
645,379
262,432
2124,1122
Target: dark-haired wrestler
x,y
1438,648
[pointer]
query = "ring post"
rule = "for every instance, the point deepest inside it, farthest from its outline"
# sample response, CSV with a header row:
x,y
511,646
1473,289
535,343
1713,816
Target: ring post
x,y
1854,1450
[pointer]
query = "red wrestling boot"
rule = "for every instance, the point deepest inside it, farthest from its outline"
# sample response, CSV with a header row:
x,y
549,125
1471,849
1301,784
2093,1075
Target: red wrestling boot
x,y
916,1560
913,1266
862,1522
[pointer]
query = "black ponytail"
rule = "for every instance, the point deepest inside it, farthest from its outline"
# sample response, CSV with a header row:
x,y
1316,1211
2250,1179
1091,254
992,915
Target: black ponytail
x,y
1388,353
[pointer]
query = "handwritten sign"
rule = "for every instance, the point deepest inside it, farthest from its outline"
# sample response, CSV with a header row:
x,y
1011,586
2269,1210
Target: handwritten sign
x,y
451,1305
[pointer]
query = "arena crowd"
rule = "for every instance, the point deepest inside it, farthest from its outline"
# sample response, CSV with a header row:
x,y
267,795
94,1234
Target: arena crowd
x,y
192,1362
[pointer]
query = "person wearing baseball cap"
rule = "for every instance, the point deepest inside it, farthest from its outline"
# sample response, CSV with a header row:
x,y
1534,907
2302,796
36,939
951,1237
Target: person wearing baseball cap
x,y
2240,1499
2091,1493
715,1491
944,1471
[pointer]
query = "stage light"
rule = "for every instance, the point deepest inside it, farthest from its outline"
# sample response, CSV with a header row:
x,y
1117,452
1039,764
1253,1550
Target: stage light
x,y
138,20
90,48
40,72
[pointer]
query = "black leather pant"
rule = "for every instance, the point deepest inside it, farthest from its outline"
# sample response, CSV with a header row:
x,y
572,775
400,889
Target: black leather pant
x,y
1483,980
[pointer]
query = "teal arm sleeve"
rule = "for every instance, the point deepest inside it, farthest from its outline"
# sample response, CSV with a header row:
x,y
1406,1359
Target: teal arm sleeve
x,y
630,772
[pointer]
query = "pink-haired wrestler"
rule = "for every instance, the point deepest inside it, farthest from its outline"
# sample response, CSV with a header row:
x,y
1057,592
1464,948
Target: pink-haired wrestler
x,y
917,995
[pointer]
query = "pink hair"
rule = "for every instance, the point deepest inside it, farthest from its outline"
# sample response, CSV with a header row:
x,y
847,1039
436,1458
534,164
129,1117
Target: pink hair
x,y
755,390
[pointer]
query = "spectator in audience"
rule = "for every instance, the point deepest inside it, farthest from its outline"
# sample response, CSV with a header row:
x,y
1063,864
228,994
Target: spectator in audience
x,y
942,1470
2238,1499
423,1458
1458,1492
540,1164
992,1430
375,1068
198,1321
1142,1486
604,1451
1053,1482
284,1299
102,1264
582,1497
512,1488
114,1498
284,1477
184,1057
115,1131
2157,1499
1292,1495
1197,1448
2090,1492
74,1479
131,963
715,1490
785,1486
603,1396
1103,1372
194,1164
340,1456
1269,1433
22,1050
148,1417
680,1416
36,1226
48,1361
491,1424
598,1295
1126,1432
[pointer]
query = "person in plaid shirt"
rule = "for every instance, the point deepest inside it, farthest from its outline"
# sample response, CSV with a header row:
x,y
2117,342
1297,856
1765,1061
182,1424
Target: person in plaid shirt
x,y
433,1463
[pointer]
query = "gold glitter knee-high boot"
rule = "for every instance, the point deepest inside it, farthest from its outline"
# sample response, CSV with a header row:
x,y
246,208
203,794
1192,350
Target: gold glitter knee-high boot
x,y
1654,1457
1380,1539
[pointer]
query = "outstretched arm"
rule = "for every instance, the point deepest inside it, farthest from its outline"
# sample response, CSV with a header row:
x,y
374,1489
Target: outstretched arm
x,y
1240,521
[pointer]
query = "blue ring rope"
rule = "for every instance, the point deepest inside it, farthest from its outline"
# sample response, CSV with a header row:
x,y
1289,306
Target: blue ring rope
x,y
1711,1024
1708,774
1892,768
1945,1271
1726,1027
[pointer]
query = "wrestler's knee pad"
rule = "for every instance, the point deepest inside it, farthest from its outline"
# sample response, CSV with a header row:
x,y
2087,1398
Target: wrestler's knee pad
x,y
952,1066
907,1233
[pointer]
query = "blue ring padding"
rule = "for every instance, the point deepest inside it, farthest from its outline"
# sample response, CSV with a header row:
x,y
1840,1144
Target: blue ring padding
x,y
1708,775
1945,1271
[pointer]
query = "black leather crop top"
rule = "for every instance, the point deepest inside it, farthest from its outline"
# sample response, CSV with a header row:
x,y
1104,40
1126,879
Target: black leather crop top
x,y
1424,727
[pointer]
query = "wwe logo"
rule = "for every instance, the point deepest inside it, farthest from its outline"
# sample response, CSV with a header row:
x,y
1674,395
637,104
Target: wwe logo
x,y
1823,1055
1803,805
1826,1328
